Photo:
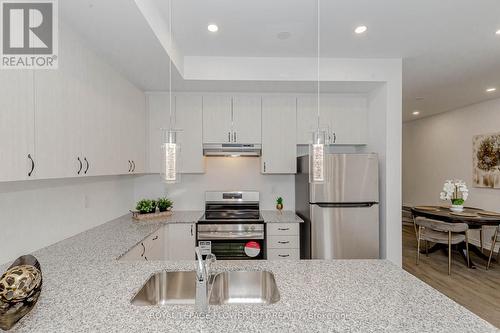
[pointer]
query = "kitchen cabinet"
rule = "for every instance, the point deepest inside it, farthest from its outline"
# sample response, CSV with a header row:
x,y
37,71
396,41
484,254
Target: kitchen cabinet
x,y
217,119
187,116
89,121
16,125
283,242
247,119
344,116
229,119
181,241
152,247
279,130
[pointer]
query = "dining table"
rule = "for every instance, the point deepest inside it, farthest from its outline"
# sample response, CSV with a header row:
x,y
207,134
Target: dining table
x,y
475,218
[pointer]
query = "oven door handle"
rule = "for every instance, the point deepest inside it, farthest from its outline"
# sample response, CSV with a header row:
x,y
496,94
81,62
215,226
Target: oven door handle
x,y
229,235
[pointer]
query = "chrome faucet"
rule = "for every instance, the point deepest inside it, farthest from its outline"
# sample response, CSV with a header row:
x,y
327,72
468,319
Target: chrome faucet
x,y
202,277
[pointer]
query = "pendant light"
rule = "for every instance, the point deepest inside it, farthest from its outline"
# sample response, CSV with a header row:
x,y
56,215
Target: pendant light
x,y
317,147
170,148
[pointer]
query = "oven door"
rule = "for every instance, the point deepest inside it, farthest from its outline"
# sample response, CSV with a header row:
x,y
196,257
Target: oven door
x,y
232,241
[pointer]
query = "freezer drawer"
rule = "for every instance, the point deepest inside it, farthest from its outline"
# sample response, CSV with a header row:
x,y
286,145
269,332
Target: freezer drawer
x,y
344,232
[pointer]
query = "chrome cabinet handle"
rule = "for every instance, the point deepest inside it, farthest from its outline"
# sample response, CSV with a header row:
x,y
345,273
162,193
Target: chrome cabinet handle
x,y
32,165
191,230
334,137
228,136
88,165
283,242
155,238
143,250
264,166
81,165
283,255
234,136
133,165
283,229
129,165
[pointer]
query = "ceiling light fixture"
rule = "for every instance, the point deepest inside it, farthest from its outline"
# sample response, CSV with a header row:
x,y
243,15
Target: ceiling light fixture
x,y
491,89
213,28
415,113
361,29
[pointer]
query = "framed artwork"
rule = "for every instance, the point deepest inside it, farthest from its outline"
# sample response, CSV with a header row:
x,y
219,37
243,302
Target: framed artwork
x,y
486,160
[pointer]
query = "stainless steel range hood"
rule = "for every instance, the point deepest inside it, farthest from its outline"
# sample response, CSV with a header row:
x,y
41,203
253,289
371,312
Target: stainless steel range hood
x,y
232,149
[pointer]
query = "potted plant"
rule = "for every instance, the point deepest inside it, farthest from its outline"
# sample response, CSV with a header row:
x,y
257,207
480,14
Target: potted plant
x,y
153,206
144,206
279,204
457,192
164,204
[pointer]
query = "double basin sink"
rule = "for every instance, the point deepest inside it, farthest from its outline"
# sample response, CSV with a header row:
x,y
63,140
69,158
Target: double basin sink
x,y
231,287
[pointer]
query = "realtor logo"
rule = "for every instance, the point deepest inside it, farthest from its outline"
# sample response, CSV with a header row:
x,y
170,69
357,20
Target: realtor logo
x,y
29,34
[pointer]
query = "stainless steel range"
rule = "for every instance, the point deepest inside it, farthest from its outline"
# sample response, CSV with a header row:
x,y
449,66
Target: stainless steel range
x,y
232,227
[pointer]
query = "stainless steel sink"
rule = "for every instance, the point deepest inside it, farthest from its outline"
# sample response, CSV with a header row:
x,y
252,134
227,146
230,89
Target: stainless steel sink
x,y
168,288
236,287
244,287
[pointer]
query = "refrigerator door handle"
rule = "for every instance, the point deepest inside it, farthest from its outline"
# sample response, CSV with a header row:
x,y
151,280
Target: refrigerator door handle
x,y
344,204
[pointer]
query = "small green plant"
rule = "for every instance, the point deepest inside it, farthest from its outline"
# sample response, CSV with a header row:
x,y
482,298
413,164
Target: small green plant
x,y
458,202
164,204
145,206
279,201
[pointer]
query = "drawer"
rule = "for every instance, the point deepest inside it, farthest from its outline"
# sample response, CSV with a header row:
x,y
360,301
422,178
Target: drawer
x,y
285,229
283,254
283,242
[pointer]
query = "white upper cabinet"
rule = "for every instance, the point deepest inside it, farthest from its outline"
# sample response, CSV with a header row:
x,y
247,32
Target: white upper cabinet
x,y
189,119
16,125
345,115
187,116
279,140
217,119
247,119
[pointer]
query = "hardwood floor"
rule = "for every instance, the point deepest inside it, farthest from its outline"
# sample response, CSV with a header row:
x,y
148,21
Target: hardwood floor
x,y
476,289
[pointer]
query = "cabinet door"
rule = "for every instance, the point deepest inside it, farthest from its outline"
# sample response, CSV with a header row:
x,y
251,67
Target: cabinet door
x,y
307,118
247,119
136,135
181,241
217,119
159,117
155,245
279,139
134,253
189,118
62,100
347,117
16,124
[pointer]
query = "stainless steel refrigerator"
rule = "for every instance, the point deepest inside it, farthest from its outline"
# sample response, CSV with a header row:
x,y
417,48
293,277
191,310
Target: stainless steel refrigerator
x,y
342,214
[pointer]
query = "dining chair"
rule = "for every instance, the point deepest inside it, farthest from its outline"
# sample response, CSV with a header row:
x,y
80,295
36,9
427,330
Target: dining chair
x,y
494,239
441,232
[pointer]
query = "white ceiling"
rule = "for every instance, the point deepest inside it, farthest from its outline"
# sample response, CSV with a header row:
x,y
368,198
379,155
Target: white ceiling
x,y
449,48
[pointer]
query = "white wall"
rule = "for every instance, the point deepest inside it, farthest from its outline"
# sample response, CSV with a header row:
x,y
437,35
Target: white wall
x,y
39,213
222,174
440,147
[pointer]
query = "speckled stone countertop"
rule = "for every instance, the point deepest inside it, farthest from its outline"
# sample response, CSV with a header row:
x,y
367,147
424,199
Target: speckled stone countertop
x,y
286,216
85,289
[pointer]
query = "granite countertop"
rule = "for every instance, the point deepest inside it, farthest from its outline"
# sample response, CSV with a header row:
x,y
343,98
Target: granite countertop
x,y
286,216
85,289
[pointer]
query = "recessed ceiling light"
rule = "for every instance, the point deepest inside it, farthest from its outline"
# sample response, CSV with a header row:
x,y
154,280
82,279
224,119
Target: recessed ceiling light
x,y
497,32
415,113
491,89
361,29
213,28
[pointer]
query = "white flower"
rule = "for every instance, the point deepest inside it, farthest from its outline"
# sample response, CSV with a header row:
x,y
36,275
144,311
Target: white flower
x,y
454,189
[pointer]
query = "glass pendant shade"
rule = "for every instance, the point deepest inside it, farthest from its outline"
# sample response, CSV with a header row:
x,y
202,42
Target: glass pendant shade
x,y
170,155
317,157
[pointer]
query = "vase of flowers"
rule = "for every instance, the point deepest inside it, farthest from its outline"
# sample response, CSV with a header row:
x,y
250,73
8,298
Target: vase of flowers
x,y
457,192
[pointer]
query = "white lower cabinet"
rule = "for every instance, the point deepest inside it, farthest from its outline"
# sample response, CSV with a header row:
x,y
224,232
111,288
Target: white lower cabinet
x,y
283,241
181,241
174,241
